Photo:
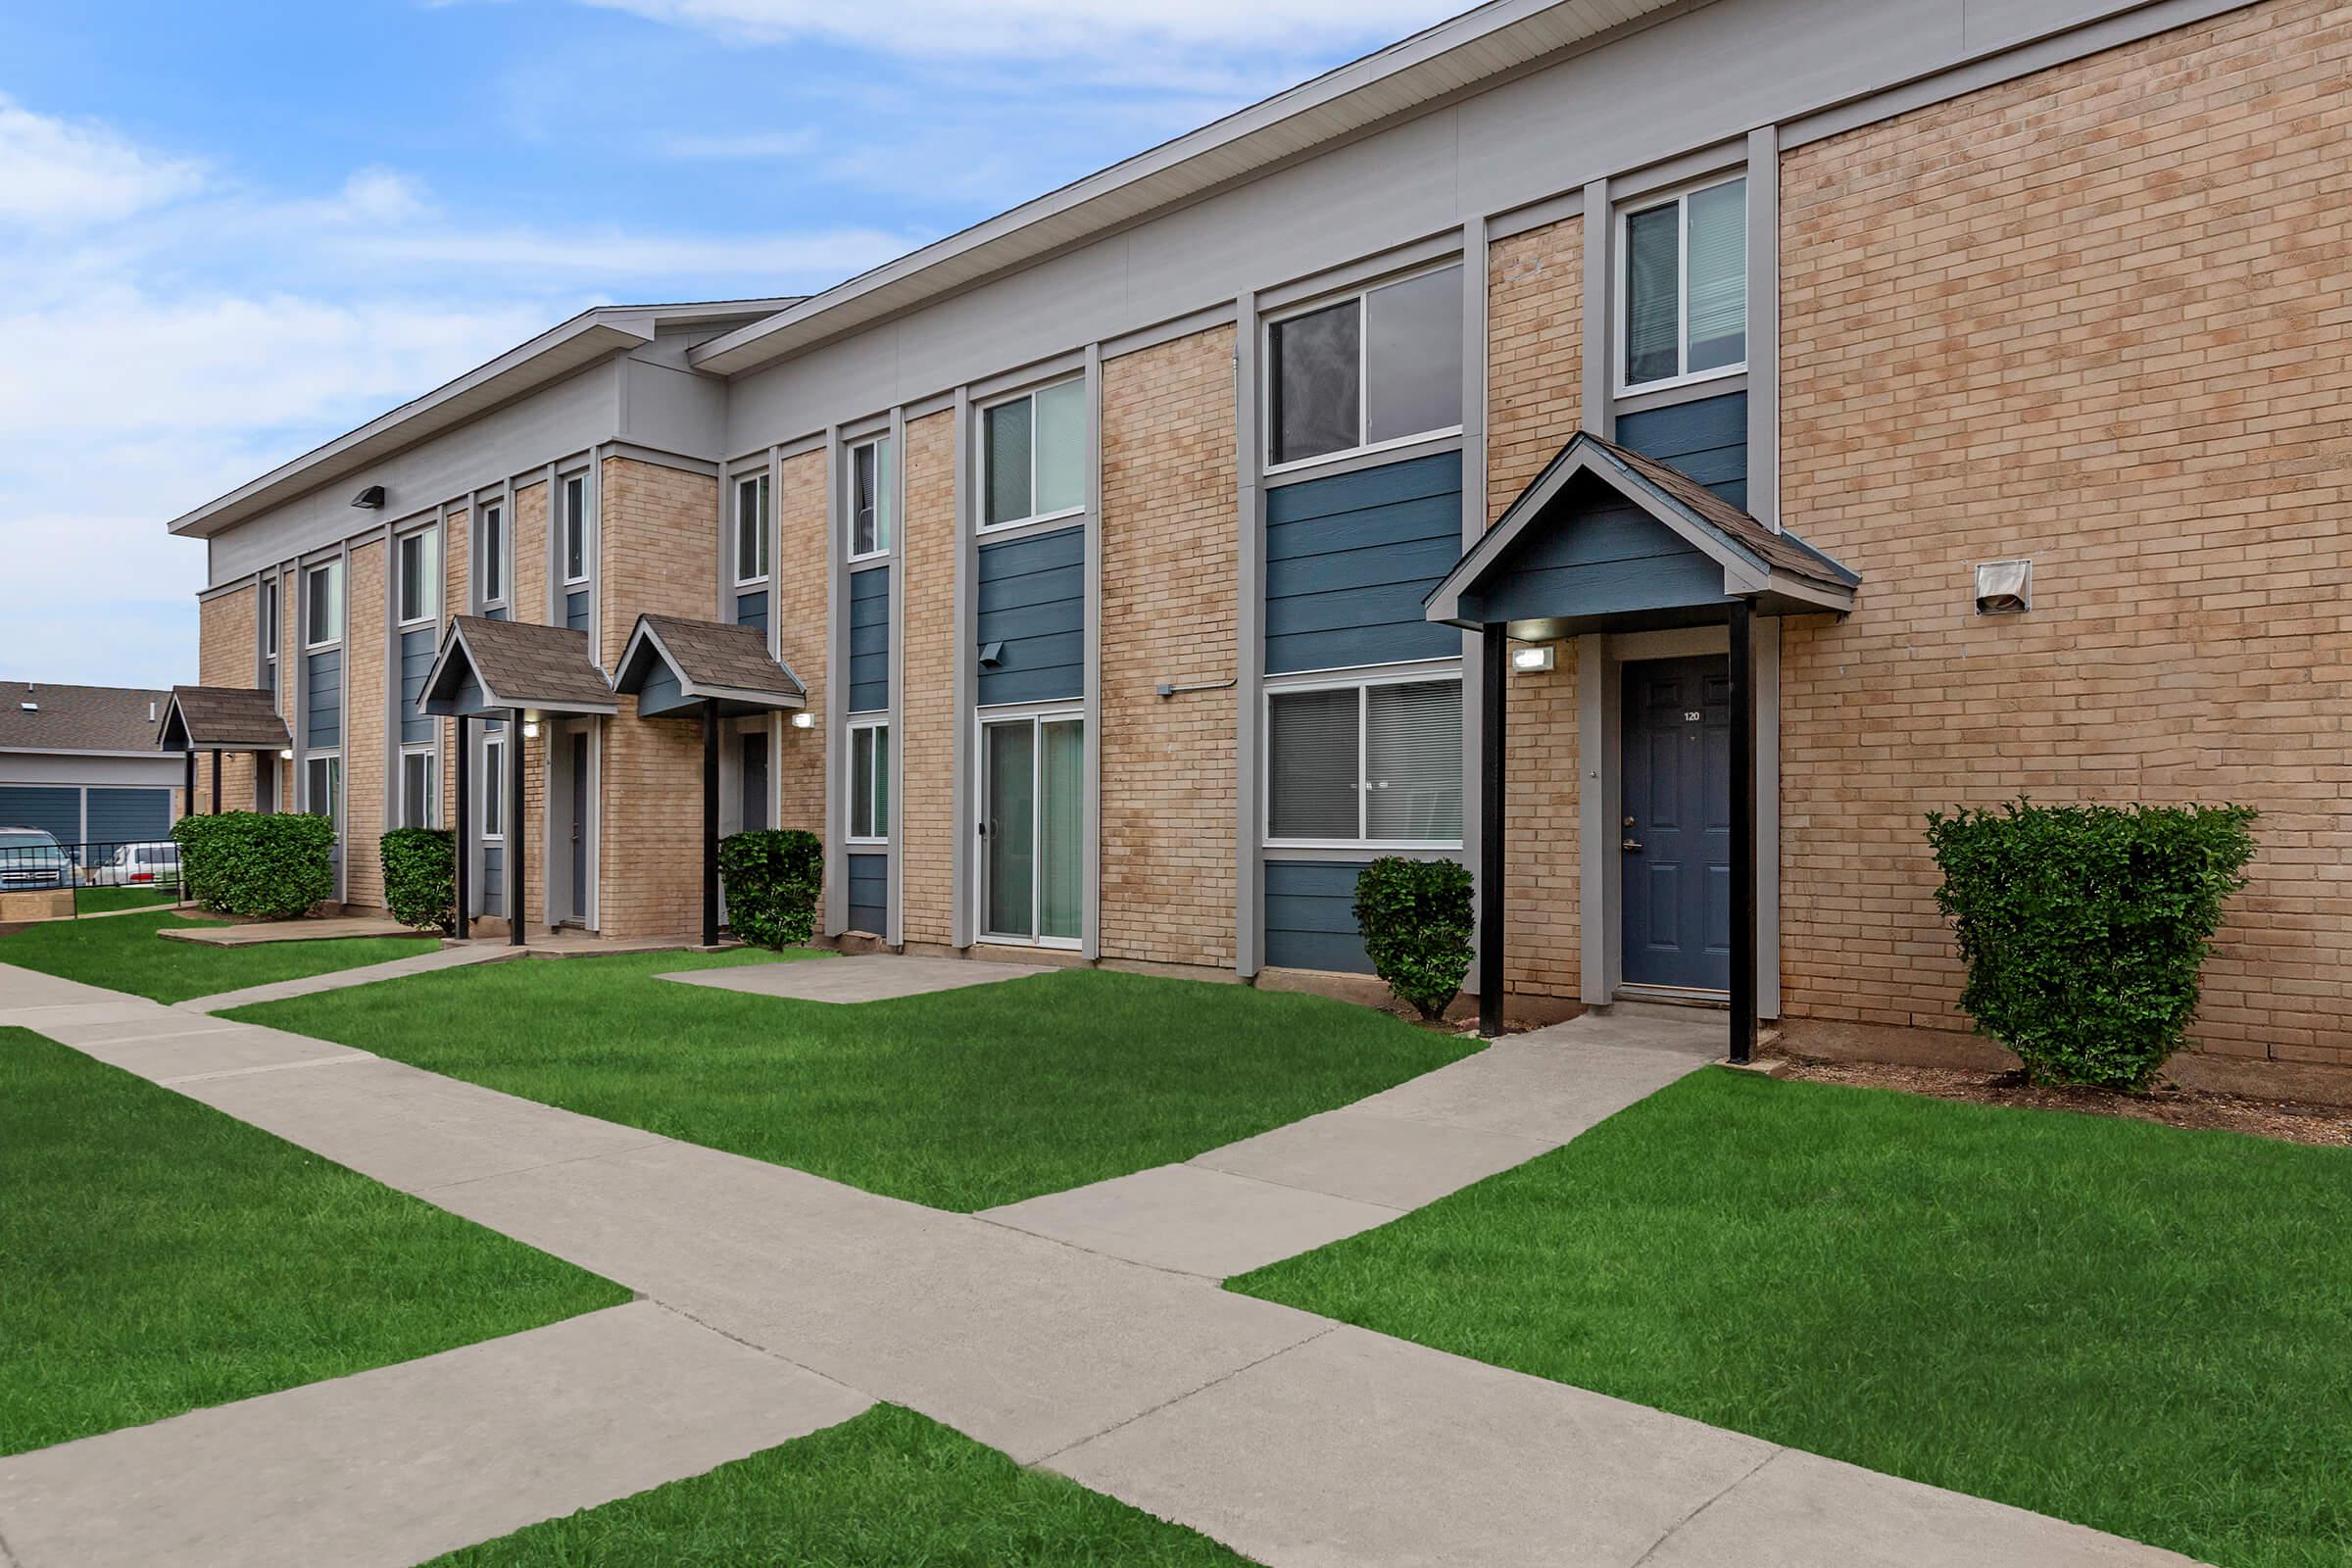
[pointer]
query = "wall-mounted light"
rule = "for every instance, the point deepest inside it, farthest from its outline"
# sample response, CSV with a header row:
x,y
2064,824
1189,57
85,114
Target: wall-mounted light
x,y
286,756
2004,587
804,722
1526,660
370,498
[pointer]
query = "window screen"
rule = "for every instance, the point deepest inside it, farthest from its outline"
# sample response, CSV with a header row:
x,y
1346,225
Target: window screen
x,y
1653,295
325,605
1008,479
1413,356
750,529
1413,762
420,797
1718,282
575,529
869,781
1317,392
1311,753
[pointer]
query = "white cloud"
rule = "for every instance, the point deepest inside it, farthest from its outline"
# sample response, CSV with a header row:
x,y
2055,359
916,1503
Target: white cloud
x,y
757,146
56,172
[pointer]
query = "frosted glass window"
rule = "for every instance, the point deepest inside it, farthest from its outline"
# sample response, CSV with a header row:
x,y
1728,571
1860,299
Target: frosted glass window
x,y
1061,448
1318,384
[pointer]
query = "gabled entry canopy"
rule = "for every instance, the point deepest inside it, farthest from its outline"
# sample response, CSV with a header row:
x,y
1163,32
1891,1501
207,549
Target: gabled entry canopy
x,y
486,668
1608,540
674,667
221,719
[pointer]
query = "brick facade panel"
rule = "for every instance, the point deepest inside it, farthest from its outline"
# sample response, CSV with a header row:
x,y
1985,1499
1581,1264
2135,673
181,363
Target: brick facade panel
x,y
366,668
227,647
927,705
797,609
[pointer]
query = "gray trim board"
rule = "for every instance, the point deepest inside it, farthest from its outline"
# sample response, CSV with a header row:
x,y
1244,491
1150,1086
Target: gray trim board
x,y
895,894
1474,523
1090,921
1600,350
1763,496
964,830
837,689
1249,641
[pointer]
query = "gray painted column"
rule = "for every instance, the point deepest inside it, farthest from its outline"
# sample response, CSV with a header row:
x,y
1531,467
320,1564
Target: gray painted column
x,y
1595,820
1089,925
837,696
960,705
1474,526
1599,314
1764,325
1250,644
391,656
895,829
1767,656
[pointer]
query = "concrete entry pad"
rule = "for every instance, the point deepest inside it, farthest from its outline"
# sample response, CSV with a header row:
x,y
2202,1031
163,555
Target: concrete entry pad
x,y
1389,1161
261,932
1192,1220
866,977
401,1464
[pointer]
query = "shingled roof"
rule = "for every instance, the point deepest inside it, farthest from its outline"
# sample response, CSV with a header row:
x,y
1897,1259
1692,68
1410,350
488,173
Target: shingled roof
x,y
1780,551
707,659
513,663
41,717
227,719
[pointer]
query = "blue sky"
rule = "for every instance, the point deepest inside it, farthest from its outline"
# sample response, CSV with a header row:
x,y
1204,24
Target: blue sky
x,y
230,232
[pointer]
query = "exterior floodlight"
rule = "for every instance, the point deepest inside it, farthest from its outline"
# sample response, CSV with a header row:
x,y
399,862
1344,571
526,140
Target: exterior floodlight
x,y
804,722
286,756
1532,658
370,498
2004,587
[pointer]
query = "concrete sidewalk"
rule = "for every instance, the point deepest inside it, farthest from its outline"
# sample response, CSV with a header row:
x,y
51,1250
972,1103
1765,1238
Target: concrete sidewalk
x,y
1289,1437
367,974
863,977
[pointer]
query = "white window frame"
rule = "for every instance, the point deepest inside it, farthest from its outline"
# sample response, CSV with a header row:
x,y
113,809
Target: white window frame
x,y
1269,371
1358,681
886,522
503,558
1038,714
1622,303
400,573
980,521
735,489
309,574
271,609
566,485
494,786
432,783
332,757
850,789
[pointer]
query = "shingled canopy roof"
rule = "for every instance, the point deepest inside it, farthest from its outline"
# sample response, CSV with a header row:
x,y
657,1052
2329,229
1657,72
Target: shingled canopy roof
x,y
226,718
671,663
487,666
1605,538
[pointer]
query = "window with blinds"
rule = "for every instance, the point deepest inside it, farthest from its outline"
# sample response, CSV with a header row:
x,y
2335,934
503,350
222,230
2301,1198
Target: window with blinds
x,y
1682,286
1376,762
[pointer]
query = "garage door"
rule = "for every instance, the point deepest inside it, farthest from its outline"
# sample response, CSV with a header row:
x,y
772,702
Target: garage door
x,y
129,817
54,809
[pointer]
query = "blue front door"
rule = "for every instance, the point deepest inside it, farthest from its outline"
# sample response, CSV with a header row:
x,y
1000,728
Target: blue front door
x,y
1677,834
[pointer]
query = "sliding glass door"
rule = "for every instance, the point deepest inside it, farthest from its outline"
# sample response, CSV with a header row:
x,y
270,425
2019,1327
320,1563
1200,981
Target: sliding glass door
x,y
1033,828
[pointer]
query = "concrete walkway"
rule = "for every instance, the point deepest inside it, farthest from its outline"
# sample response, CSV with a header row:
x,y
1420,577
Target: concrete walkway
x,y
865,977
367,974
1293,1438
261,933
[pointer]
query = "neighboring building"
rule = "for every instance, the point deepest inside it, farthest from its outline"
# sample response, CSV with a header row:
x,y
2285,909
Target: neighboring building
x,y
1112,551
80,764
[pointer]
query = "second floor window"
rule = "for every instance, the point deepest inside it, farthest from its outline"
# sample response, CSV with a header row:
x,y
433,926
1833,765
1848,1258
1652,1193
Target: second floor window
x,y
1033,456
269,631
1376,368
490,555
750,528
872,498
322,605
574,505
1682,286
420,569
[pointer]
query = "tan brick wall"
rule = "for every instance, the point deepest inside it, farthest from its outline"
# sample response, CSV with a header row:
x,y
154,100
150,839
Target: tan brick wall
x,y
1170,571
927,706
527,601
228,646
1535,394
365,665
657,555
798,606
2095,317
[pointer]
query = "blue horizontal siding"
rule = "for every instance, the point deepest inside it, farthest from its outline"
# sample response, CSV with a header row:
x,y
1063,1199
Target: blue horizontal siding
x,y
1310,916
494,879
751,609
870,894
1706,440
322,698
870,640
130,815
54,809
416,663
576,609
1593,554
1350,559
1032,599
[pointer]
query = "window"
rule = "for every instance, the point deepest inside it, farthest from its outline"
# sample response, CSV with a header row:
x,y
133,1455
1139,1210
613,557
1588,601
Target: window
x,y
754,782
419,569
575,528
268,633
872,494
750,529
1033,456
494,786
420,788
322,604
869,783
490,555
1682,286
1374,369
323,785
1368,762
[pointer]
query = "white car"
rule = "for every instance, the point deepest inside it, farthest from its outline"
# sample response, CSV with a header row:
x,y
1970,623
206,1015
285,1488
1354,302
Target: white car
x,y
139,865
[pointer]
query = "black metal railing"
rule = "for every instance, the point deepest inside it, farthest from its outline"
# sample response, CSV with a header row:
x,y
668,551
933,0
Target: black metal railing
x,y
101,874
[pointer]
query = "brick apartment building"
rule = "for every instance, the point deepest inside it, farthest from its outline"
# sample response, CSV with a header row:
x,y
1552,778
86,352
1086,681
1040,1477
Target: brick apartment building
x,y
1119,558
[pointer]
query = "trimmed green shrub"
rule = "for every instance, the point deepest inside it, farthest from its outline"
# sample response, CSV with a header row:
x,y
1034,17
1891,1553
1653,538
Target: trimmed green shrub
x,y
2084,927
772,877
1416,921
267,867
421,877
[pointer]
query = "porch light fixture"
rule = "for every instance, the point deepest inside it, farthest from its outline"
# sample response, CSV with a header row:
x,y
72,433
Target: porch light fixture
x,y
530,730
370,498
286,756
1534,659
2004,587
804,722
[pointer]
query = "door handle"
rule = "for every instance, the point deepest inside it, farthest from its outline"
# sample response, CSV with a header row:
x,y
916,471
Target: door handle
x,y
1629,844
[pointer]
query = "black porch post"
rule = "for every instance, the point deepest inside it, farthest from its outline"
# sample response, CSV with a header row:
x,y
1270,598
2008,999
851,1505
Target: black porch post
x,y
464,833
517,838
216,781
1744,831
710,824
187,801
1494,662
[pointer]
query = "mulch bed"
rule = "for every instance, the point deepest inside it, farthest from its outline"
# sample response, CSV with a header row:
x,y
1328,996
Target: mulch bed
x,y
2289,1121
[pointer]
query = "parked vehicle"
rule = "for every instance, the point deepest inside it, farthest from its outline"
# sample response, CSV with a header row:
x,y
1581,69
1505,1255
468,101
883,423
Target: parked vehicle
x,y
31,860
138,866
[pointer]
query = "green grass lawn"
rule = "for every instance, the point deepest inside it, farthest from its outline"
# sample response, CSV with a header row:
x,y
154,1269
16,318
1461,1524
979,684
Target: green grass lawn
x,y
123,952
959,1100
2140,1329
104,901
887,1486
157,1257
